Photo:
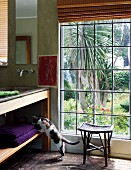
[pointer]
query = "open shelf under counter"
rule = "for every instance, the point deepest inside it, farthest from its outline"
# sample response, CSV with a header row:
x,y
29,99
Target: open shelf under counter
x,y
9,105
7,152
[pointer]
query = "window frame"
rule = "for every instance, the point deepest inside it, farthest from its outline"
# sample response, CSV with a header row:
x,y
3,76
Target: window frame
x,y
61,89
3,32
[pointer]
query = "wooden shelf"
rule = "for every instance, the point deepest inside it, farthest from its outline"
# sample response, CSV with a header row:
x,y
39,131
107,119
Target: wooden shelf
x,y
6,153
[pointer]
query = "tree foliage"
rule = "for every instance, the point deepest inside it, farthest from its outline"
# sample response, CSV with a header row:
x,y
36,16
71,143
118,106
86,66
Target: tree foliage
x,y
93,65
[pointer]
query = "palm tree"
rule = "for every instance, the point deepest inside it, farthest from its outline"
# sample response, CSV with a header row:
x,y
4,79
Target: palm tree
x,y
91,58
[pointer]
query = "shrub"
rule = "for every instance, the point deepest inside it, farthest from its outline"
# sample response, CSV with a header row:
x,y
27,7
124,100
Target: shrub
x,y
125,105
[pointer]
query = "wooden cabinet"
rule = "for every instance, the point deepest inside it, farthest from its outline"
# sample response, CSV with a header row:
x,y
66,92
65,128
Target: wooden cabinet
x,y
10,106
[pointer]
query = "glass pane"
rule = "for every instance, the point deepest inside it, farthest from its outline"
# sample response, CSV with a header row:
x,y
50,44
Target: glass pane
x,y
95,102
103,21
86,22
103,34
68,24
69,36
103,80
121,81
84,102
121,57
84,118
68,101
86,58
103,58
121,104
121,127
103,120
85,80
69,122
69,78
122,20
121,34
68,58
86,35
104,103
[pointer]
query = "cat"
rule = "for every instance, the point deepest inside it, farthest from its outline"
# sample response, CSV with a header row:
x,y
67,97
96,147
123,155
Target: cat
x,y
44,124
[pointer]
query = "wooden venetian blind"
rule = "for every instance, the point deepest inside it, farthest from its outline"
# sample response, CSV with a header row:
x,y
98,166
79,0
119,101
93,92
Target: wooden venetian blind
x,y
3,28
86,10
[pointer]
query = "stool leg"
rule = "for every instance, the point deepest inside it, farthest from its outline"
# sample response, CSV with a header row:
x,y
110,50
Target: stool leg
x,y
109,149
84,148
88,140
105,149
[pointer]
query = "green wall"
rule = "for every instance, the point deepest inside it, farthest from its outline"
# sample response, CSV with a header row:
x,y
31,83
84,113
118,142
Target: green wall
x,y
48,42
47,31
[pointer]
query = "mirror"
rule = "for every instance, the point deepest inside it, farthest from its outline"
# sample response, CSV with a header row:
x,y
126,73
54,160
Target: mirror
x,y
23,49
26,28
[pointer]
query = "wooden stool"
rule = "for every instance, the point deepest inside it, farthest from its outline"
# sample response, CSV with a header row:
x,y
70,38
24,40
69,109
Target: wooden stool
x,y
87,130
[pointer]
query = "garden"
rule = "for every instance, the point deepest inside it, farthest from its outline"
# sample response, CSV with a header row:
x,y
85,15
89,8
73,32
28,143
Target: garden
x,y
96,73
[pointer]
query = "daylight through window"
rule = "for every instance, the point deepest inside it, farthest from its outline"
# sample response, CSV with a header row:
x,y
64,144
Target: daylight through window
x,y
95,74
3,32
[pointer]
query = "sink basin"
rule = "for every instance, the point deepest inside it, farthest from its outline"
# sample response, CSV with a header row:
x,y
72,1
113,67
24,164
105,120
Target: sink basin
x,y
20,89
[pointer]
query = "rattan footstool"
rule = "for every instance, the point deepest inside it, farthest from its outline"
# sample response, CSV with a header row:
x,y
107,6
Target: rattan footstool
x,y
87,130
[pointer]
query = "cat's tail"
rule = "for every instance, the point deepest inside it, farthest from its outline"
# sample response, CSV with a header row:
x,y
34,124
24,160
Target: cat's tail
x,y
70,142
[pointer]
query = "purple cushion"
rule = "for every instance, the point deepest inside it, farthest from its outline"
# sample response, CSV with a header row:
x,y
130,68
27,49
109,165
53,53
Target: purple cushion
x,y
26,136
18,141
12,132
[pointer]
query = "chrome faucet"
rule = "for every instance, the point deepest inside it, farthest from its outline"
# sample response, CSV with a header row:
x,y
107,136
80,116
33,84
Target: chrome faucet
x,y
31,71
21,71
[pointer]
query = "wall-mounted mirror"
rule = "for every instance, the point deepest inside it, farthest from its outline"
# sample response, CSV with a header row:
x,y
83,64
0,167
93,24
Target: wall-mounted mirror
x,y
26,26
23,49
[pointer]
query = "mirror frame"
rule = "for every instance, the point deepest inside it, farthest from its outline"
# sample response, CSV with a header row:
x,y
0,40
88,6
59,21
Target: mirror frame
x,y
27,39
